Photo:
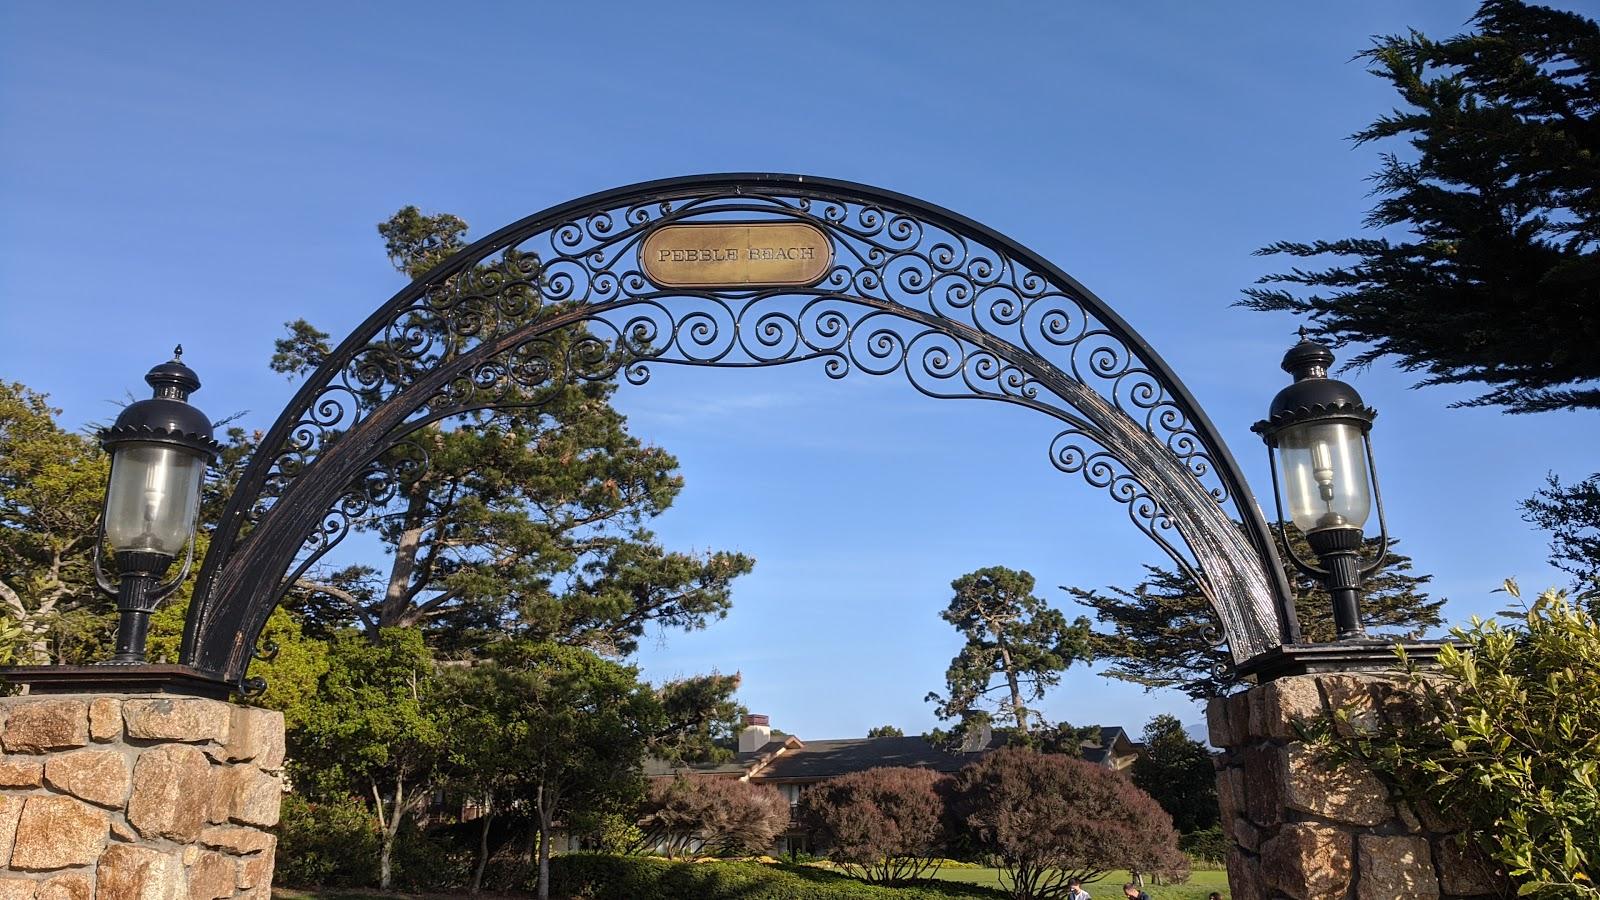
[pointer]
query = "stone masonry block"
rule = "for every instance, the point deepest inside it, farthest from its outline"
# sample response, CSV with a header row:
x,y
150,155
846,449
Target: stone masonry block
x,y
1466,871
1244,875
1265,783
185,719
10,813
256,735
1348,793
1309,861
105,719
57,832
237,839
1218,729
212,876
255,871
1391,867
101,777
248,795
1286,701
1356,695
172,788
17,888
35,726
20,772
127,872
67,886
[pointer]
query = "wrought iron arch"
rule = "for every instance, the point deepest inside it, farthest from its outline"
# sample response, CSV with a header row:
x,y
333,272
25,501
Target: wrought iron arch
x,y
960,310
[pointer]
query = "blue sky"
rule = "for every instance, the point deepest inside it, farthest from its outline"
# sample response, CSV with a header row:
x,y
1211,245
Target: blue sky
x,y
202,173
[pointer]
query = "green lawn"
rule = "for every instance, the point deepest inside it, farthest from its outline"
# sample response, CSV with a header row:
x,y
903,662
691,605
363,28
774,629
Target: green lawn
x,y
1110,887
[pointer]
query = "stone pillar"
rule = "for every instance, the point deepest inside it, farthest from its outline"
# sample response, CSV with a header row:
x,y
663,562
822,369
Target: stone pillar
x,y
137,798
1305,829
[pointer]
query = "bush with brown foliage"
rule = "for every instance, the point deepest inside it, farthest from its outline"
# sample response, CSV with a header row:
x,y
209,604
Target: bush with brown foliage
x,y
704,814
885,825
1051,818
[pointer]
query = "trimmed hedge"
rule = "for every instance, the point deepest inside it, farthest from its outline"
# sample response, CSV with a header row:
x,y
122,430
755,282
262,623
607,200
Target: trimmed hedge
x,y
596,876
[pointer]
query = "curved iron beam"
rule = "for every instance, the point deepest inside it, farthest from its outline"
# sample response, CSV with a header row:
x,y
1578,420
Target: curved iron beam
x,y
240,579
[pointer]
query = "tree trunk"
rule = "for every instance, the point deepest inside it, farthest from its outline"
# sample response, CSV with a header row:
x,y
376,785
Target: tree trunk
x,y
544,846
1017,709
397,595
391,830
483,843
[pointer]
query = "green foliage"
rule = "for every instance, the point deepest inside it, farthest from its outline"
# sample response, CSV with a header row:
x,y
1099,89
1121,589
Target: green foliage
x,y
375,728
530,521
1162,629
585,876
327,844
1011,635
52,486
1497,281
1177,771
885,731
1207,846
702,719
1506,737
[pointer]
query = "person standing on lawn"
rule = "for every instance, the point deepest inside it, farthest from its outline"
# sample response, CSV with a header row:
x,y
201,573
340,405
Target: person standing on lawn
x,y
1132,892
1075,890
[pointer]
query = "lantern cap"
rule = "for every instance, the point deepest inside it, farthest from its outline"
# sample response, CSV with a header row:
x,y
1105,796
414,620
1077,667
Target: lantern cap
x,y
166,417
1313,396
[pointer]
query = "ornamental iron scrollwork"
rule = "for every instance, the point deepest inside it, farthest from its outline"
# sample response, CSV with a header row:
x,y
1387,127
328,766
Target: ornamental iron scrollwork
x,y
958,310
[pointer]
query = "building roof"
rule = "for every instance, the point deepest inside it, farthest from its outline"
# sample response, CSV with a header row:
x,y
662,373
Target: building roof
x,y
791,759
794,760
828,759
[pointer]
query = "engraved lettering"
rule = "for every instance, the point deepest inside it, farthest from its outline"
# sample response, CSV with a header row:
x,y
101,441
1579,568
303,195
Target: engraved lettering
x,y
735,254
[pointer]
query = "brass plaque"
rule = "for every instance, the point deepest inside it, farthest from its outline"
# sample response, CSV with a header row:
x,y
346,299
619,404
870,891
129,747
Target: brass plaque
x,y
736,254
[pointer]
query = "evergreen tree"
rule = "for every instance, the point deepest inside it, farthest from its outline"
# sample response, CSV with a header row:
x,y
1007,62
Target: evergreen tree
x,y
376,728
885,731
530,522
1162,631
1177,771
1486,267
1015,644
52,487
1571,514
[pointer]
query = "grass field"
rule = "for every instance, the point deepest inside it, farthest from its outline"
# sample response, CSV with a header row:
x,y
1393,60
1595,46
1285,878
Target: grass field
x,y
1200,884
1108,888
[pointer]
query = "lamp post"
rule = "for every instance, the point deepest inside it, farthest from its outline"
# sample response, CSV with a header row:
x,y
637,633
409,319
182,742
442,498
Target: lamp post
x,y
159,451
1319,447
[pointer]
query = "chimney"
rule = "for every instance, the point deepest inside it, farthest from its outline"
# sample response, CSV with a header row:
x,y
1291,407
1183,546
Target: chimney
x,y
756,733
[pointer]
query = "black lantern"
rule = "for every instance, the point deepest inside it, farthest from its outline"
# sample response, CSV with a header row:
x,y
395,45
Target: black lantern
x,y
159,451
1318,436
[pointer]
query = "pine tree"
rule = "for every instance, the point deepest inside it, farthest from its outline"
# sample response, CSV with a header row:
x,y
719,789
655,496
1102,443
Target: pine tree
x,y
1164,633
1016,644
530,522
1486,266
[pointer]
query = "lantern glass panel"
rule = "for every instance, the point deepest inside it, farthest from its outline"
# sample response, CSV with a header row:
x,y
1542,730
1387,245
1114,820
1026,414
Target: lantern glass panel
x,y
153,497
1324,470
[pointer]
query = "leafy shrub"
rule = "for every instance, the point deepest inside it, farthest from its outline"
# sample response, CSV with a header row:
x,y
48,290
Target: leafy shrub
x,y
592,876
884,825
1207,845
703,814
326,844
1507,739
1052,818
